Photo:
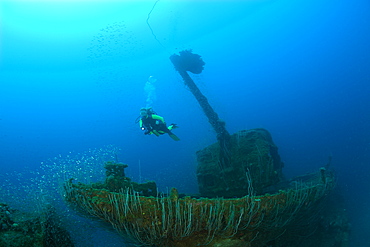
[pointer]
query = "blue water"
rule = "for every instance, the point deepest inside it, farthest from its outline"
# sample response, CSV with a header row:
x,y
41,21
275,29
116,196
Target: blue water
x,y
72,78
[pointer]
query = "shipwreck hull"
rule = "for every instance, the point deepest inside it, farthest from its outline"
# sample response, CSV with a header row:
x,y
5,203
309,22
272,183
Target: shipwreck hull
x,y
173,221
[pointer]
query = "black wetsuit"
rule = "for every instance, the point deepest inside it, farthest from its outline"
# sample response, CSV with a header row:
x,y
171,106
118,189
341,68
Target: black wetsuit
x,y
154,123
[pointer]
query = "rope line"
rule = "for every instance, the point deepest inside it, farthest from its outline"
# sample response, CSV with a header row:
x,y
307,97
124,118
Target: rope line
x,y
147,22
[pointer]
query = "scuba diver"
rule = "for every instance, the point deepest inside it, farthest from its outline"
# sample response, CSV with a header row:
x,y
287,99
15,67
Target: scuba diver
x,y
151,123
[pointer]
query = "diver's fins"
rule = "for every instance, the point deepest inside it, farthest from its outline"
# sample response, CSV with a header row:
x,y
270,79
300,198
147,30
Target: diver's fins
x,y
174,137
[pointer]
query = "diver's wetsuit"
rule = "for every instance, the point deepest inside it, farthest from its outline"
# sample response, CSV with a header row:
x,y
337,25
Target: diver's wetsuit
x,y
154,124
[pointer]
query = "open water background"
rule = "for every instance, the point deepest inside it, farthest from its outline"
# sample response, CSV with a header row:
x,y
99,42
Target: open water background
x,y
73,76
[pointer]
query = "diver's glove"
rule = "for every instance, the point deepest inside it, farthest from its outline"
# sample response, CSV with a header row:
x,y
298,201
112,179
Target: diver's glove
x,y
148,131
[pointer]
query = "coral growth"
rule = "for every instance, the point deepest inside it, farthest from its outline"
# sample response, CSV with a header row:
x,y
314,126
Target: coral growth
x,y
30,230
171,220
